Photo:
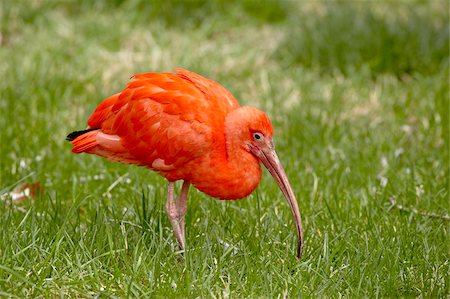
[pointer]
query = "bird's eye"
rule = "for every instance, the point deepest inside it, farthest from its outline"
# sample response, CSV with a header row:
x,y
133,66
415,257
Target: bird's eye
x,y
257,136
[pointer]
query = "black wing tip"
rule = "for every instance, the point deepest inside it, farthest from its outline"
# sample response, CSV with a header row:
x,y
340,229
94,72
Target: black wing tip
x,y
72,136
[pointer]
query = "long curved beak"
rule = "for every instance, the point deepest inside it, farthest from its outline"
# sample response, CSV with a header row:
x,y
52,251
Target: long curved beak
x,y
269,158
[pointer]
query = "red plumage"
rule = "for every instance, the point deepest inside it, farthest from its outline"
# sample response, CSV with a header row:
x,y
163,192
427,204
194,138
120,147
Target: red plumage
x,y
186,127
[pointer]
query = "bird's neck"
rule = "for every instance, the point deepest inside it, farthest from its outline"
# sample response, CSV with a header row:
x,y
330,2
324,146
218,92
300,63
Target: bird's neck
x,y
236,172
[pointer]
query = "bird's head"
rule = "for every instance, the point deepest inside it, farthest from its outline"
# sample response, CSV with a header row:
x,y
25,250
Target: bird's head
x,y
254,130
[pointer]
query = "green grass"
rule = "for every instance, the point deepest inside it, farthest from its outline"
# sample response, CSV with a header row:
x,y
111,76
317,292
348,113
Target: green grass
x,y
359,97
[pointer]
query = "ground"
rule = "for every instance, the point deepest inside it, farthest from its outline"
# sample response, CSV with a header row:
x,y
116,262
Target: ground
x,y
358,93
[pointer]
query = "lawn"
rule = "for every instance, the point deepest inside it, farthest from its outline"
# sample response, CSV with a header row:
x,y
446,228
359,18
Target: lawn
x,y
358,93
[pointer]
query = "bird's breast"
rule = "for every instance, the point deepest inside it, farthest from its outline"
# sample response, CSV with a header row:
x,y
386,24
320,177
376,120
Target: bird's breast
x,y
227,180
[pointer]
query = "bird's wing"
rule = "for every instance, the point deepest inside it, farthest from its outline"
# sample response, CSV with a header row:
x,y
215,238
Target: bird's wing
x,y
162,120
211,89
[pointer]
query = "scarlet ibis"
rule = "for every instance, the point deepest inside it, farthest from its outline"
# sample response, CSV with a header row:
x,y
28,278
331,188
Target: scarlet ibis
x,y
187,127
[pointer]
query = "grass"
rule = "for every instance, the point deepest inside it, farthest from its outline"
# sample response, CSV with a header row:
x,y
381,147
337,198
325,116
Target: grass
x,y
360,106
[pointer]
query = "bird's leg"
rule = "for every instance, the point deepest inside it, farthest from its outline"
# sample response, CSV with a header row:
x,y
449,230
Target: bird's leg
x,y
172,212
182,207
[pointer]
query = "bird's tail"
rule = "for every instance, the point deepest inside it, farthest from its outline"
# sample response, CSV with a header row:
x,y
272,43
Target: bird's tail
x,y
83,141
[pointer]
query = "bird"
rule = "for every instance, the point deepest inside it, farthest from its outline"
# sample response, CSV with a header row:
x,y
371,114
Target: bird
x,y
187,128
